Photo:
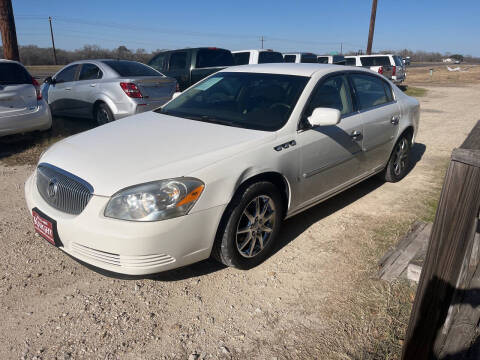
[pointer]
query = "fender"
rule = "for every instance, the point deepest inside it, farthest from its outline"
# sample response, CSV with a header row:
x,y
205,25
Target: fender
x,y
104,98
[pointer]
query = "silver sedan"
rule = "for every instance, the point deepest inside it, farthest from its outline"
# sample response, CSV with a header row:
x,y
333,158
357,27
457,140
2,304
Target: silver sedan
x,y
22,108
106,90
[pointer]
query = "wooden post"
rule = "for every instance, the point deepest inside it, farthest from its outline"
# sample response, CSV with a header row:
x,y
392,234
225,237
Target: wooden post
x,y
7,27
372,27
442,321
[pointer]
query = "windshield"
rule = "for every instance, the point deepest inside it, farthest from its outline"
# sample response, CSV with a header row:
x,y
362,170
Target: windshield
x,y
126,68
13,74
249,100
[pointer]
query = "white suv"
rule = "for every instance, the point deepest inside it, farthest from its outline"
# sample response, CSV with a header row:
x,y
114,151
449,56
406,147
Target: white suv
x,y
381,61
262,56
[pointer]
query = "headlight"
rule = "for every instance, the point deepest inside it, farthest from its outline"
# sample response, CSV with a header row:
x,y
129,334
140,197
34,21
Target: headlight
x,y
158,200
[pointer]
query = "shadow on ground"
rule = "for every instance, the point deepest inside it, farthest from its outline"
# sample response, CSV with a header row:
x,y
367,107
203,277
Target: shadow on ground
x,y
25,149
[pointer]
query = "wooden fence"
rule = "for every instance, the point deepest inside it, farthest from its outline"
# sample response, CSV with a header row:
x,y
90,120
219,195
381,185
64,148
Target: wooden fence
x,y
445,316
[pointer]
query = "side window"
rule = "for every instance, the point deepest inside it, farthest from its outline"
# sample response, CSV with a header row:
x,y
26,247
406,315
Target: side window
x,y
350,61
67,74
334,92
322,59
90,72
178,61
289,58
369,90
388,91
242,58
158,62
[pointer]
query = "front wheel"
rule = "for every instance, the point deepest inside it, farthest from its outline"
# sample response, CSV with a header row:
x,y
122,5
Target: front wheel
x,y
252,225
399,161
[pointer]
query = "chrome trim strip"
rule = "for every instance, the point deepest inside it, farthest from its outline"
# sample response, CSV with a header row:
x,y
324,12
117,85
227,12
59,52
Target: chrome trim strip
x,y
328,166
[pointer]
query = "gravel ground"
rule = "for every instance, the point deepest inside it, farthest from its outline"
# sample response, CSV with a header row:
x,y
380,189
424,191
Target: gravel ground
x,y
316,297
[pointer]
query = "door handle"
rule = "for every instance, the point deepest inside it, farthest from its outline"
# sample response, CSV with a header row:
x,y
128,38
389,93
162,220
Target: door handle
x,y
395,119
93,85
68,89
356,135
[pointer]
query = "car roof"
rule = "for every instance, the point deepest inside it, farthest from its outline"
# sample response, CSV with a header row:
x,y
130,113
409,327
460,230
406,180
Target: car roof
x,y
11,61
304,69
259,50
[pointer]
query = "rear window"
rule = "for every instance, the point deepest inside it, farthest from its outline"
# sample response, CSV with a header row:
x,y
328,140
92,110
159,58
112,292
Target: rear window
x,y
213,58
308,58
269,57
242,58
126,68
375,61
398,61
289,58
350,61
13,74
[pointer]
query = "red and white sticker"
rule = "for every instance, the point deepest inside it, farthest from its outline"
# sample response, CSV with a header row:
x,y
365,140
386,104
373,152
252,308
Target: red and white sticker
x,y
43,227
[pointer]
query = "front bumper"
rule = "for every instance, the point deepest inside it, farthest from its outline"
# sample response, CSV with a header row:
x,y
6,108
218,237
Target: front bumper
x,y
39,119
128,247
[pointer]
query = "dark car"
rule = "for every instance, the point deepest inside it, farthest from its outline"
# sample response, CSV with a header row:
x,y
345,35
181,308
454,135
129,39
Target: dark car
x,y
189,66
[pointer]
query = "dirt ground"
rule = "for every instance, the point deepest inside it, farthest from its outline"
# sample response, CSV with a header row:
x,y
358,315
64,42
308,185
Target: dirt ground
x,y
316,297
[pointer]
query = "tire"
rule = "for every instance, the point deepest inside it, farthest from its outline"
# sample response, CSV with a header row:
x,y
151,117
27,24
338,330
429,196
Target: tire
x,y
103,114
399,161
246,236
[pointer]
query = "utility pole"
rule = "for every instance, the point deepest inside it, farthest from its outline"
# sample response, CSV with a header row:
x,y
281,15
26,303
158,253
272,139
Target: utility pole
x,y
372,27
9,34
262,40
53,41
341,48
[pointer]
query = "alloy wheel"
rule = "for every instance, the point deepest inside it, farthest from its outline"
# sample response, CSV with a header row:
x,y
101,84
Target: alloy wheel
x,y
255,226
401,157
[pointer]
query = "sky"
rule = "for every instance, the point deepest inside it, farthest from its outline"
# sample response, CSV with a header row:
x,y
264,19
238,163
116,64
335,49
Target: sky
x,y
295,25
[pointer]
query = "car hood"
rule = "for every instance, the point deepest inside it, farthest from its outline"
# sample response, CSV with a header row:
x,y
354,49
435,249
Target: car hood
x,y
148,147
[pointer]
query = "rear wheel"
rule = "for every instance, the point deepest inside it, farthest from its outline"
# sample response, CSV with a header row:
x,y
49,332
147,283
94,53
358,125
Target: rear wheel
x,y
251,227
399,161
103,114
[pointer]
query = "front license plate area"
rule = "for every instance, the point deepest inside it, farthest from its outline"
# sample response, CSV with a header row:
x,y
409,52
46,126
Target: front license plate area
x,y
46,227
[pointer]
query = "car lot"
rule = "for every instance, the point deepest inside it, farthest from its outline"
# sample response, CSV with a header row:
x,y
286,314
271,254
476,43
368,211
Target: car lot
x,y
315,297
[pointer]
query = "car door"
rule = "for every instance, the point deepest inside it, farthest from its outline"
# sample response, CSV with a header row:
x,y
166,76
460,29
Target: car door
x,y
330,155
60,95
380,115
179,68
86,87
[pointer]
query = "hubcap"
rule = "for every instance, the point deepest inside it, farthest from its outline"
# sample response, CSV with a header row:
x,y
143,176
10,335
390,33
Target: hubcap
x,y
401,157
102,116
255,226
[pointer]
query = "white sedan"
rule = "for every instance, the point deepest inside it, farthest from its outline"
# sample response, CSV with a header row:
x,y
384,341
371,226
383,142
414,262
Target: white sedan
x,y
216,170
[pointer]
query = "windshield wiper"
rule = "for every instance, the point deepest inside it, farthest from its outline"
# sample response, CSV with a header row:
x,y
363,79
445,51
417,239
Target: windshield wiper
x,y
216,120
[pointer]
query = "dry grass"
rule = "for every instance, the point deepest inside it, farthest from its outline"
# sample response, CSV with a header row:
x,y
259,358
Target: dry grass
x,y
415,91
43,70
441,75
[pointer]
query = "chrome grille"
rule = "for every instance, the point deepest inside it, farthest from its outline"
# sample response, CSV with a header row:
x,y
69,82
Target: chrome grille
x,y
62,190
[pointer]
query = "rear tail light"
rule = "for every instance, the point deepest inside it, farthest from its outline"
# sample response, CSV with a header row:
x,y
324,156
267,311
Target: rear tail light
x,y
37,89
131,90
394,71
380,70
177,88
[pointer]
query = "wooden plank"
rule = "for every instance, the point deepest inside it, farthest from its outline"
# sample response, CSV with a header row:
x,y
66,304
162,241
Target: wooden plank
x,y
473,139
414,272
451,238
467,156
408,247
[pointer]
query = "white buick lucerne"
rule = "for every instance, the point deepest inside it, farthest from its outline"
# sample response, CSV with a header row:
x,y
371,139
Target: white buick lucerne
x,y
216,170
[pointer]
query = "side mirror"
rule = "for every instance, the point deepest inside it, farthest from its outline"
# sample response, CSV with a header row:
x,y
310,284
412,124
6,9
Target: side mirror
x,y
175,95
324,117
